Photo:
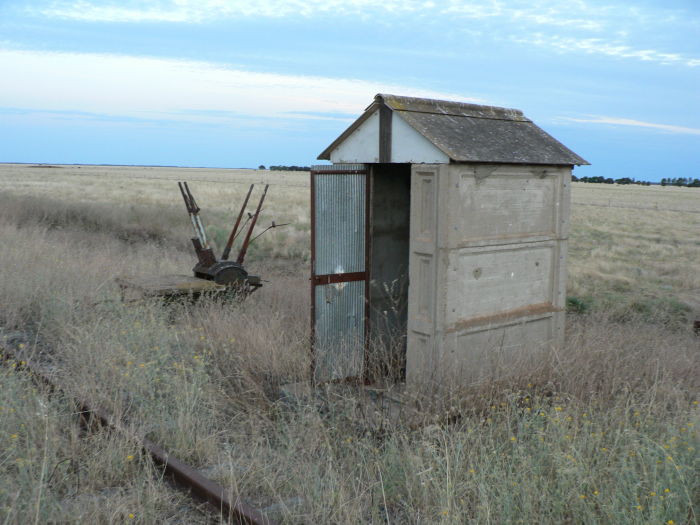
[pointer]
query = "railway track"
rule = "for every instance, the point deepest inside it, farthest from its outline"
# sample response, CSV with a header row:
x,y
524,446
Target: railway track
x,y
180,473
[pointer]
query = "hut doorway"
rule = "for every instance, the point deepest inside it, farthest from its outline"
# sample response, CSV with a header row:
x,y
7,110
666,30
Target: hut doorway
x,y
390,212
360,237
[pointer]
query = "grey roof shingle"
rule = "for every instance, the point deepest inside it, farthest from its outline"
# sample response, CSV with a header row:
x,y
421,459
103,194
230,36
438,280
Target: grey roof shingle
x,y
472,133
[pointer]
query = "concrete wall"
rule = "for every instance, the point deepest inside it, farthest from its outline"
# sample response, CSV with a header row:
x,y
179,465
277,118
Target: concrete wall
x,y
487,268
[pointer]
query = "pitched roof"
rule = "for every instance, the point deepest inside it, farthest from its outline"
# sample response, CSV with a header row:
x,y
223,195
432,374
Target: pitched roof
x,y
471,132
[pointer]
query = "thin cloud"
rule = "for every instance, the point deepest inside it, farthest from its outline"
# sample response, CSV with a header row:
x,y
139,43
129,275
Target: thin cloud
x,y
583,21
543,12
636,123
204,10
602,47
154,88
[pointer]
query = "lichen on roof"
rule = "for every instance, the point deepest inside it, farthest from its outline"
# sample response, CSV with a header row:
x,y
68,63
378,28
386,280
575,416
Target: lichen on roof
x,y
472,132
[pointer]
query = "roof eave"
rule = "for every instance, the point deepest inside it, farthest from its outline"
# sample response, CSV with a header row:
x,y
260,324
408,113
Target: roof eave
x,y
512,163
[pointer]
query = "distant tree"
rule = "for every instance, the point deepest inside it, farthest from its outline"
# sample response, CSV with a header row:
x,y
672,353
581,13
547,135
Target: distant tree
x,y
664,181
574,178
262,167
623,180
290,168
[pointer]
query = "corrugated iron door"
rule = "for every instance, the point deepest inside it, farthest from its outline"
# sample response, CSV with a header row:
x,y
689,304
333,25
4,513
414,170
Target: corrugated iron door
x,y
339,273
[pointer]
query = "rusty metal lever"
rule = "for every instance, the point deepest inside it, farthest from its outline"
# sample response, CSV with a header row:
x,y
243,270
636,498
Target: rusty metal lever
x,y
232,237
246,241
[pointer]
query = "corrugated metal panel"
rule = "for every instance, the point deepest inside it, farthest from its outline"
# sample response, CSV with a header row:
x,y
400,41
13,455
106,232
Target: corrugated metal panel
x,y
340,223
339,232
339,330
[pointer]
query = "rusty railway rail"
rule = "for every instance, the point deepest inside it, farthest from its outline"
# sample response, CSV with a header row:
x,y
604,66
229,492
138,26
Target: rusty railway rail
x,y
184,475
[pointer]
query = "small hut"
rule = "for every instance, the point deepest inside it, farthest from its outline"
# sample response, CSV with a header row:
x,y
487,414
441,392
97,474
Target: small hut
x,y
439,237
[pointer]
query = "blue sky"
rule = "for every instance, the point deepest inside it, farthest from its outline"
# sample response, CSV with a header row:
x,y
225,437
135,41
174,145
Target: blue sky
x,y
228,83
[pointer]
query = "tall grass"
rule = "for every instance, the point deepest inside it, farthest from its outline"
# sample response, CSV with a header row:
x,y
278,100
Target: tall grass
x,y
51,473
603,431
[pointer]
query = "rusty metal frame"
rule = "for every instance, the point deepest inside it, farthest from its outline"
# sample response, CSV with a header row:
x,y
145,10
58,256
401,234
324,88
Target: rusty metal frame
x,y
334,278
312,336
181,473
369,191
317,280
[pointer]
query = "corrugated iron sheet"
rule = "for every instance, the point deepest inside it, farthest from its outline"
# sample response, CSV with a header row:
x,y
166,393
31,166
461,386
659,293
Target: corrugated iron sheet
x,y
340,223
339,331
339,233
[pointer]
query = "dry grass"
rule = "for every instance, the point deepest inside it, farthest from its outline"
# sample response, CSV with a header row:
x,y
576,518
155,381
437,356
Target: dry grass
x,y
630,260
148,199
51,473
604,431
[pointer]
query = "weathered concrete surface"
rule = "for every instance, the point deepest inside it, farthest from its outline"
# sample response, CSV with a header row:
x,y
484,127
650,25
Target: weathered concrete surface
x,y
487,268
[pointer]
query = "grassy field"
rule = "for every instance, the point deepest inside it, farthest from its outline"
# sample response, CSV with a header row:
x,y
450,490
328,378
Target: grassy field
x,y
605,431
